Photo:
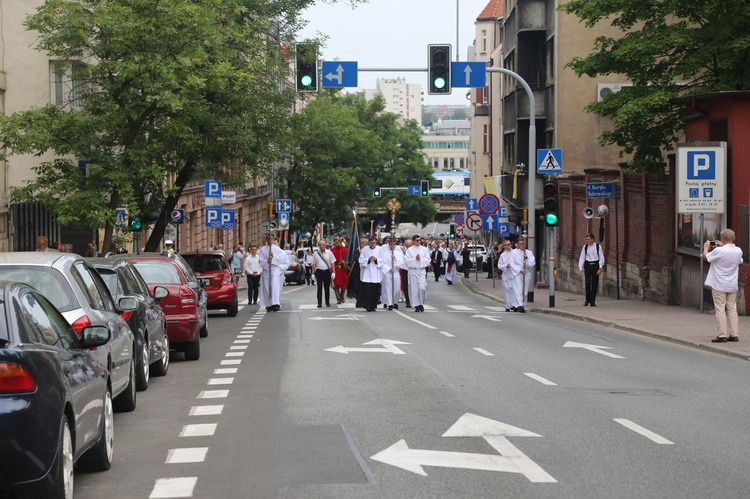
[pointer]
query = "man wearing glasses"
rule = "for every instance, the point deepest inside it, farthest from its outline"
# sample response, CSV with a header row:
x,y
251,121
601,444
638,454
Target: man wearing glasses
x,y
503,263
417,260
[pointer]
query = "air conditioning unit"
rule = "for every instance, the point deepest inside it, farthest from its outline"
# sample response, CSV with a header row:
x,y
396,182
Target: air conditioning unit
x,y
604,89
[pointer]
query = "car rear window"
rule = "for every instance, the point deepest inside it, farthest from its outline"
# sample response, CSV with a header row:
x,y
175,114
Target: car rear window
x,y
158,272
48,281
205,263
110,279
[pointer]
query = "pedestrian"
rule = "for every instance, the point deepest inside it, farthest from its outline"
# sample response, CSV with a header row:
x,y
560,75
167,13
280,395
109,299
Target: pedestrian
x,y
522,263
274,262
42,244
725,260
253,270
450,256
492,257
417,259
308,261
405,274
436,261
67,248
503,265
391,261
235,262
323,261
341,269
370,274
466,260
91,250
590,265
169,247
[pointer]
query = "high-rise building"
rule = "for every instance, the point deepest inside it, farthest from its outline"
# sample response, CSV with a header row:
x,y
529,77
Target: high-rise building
x,y
404,99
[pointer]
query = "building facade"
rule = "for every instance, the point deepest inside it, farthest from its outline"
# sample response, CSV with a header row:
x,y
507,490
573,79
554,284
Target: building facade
x,y
401,98
446,145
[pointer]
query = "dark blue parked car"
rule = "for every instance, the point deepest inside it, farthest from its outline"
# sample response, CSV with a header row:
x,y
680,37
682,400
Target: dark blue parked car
x,y
55,405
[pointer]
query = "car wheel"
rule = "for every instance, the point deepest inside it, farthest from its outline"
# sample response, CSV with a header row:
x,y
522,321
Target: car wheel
x,y
204,329
193,350
99,458
162,365
142,373
232,311
125,402
63,486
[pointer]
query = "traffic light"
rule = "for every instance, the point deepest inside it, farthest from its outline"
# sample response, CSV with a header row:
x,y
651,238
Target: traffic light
x,y
376,192
439,69
551,204
452,234
135,223
307,67
424,188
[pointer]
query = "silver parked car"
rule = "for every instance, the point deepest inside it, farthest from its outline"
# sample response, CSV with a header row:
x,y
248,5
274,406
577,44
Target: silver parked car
x,y
78,292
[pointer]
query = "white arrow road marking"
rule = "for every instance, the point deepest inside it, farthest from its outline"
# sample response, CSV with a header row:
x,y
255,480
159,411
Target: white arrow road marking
x,y
592,348
488,317
446,333
484,352
540,379
462,307
345,317
512,460
643,431
388,346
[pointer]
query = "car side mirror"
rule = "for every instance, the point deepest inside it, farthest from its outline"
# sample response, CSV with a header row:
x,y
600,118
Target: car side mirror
x,y
95,336
160,292
127,304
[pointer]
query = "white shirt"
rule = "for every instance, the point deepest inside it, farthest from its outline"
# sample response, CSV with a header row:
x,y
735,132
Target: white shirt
x,y
417,266
252,264
725,263
369,270
588,254
319,263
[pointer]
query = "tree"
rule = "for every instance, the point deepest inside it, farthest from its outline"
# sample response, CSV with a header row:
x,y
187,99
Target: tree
x,y
668,49
175,89
345,146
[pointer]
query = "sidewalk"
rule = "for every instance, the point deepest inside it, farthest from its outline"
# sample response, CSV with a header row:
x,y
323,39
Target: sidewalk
x,y
667,322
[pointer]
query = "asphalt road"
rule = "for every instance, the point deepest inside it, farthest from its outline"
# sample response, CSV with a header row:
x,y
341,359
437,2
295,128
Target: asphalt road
x,y
463,400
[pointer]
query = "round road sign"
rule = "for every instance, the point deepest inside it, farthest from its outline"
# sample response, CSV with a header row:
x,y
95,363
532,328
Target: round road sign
x,y
473,222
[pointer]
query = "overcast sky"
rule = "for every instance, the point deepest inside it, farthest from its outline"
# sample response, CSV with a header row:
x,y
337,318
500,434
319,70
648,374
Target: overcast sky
x,y
395,34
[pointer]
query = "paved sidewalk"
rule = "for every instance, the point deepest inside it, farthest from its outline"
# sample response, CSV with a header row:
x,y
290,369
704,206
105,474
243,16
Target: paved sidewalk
x,y
668,322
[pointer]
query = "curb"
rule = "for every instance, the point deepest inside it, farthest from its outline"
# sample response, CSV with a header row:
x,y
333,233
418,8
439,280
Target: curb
x,y
621,327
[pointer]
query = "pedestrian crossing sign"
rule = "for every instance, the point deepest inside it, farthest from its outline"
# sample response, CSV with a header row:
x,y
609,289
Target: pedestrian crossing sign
x,y
549,161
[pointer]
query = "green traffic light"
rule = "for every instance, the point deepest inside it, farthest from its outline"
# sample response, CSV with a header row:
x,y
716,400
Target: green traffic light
x,y
439,83
550,219
306,80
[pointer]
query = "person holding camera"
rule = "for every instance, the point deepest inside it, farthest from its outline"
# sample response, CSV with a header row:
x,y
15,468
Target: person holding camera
x,y
591,263
725,260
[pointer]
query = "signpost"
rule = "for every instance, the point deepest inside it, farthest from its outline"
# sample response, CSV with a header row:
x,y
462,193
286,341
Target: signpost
x,y
339,74
469,74
549,161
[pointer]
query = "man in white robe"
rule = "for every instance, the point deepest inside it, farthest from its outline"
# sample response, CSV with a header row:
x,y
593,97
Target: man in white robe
x,y
370,273
417,259
522,264
391,260
274,262
503,263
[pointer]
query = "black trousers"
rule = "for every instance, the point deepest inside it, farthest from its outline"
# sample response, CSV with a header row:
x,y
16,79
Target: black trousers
x,y
592,280
308,274
253,284
405,283
370,300
323,277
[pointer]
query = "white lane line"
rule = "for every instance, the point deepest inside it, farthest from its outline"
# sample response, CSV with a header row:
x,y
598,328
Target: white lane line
x,y
226,370
230,362
540,379
346,305
244,336
165,488
189,455
238,347
484,352
446,333
234,354
429,307
495,309
206,410
405,316
240,342
213,394
249,328
220,381
461,307
198,430
306,306
643,431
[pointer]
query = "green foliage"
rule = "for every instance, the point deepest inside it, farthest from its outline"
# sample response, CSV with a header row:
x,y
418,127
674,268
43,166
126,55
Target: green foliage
x,y
668,49
344,146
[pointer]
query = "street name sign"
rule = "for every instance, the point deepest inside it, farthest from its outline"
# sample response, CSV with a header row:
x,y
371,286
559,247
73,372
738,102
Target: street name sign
x,y
701,179
600,190
339,74
468,74
549,161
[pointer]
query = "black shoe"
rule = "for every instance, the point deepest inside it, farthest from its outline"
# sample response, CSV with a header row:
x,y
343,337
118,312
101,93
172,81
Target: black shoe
x,y
507,310
408,306
719,339
593,304
328,304
396,307
514,309
521,309
586,304
320,306
733,338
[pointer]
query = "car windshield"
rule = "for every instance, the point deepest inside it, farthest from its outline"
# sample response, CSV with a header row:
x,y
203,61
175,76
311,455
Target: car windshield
x,y
205,263
158,272
47,280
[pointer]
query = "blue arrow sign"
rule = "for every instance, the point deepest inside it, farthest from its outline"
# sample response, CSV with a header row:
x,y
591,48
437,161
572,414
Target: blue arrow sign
x,y
548,161
338,74
489,222
471,204
468,74
283,205
413,190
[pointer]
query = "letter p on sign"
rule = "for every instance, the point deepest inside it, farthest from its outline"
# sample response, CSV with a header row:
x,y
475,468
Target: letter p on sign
x,y
701,165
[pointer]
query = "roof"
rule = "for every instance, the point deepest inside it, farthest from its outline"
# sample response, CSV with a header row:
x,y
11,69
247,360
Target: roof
x,y
36,257
492,11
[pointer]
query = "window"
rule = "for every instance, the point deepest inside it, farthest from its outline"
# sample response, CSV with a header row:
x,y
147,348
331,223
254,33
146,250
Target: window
x,y
46,322
483,41
95,290
66,84
485,138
